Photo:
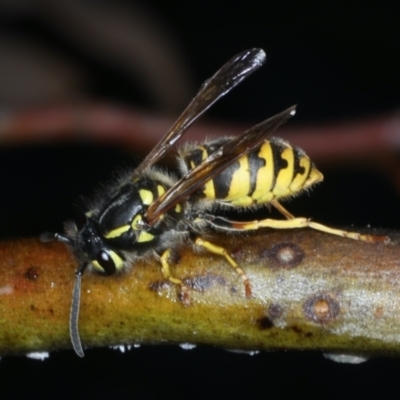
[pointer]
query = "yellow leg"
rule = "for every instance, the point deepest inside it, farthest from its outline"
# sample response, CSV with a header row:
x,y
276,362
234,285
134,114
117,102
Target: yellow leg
x,y
282,209
351,235
296,223
212,248
323,228
166,272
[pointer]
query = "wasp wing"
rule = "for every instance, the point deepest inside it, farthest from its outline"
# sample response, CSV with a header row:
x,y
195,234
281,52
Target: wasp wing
x,y
224,80
215,163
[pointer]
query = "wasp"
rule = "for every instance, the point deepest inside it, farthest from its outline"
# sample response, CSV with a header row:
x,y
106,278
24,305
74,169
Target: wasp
x,y
149,213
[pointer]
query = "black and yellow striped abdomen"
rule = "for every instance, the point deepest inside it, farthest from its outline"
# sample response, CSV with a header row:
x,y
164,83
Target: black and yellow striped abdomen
x,y
273,170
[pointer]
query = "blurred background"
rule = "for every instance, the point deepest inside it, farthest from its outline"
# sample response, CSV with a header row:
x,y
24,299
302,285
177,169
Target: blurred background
x,y
89,86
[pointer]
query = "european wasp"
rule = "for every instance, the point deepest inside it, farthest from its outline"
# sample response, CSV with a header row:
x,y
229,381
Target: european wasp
x,y
150,212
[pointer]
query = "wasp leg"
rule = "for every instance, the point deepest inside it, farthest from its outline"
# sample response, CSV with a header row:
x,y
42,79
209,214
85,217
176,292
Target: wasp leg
x,y
327,229
293,223
281,209
212,248
166,272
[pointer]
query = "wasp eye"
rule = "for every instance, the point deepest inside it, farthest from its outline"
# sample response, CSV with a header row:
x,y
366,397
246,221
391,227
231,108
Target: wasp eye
x,y
106,263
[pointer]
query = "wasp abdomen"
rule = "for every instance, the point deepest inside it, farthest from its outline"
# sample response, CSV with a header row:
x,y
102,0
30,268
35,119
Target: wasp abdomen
x,y
272,171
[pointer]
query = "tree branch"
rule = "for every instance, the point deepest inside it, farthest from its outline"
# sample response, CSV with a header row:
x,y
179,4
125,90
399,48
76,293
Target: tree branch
x,y
310,291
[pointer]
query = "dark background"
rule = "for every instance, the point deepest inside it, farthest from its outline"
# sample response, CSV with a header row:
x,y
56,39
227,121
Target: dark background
x,y
337,60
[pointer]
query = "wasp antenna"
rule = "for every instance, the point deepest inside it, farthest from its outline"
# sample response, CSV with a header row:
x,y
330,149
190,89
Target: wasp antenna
x,y
50,236
63,239
74,316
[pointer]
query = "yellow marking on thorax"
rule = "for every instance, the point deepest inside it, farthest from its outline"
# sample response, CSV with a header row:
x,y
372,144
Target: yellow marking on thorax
x,y
178,208
117,232
300,178
265,175
146,196
240,185
285,175
160,190
145,237
135,222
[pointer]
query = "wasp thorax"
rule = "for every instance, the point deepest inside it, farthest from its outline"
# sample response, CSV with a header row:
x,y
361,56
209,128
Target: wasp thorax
x,y
119,226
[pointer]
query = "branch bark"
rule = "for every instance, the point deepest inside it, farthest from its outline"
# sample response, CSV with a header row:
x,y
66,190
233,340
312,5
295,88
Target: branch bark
x,y
310,291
